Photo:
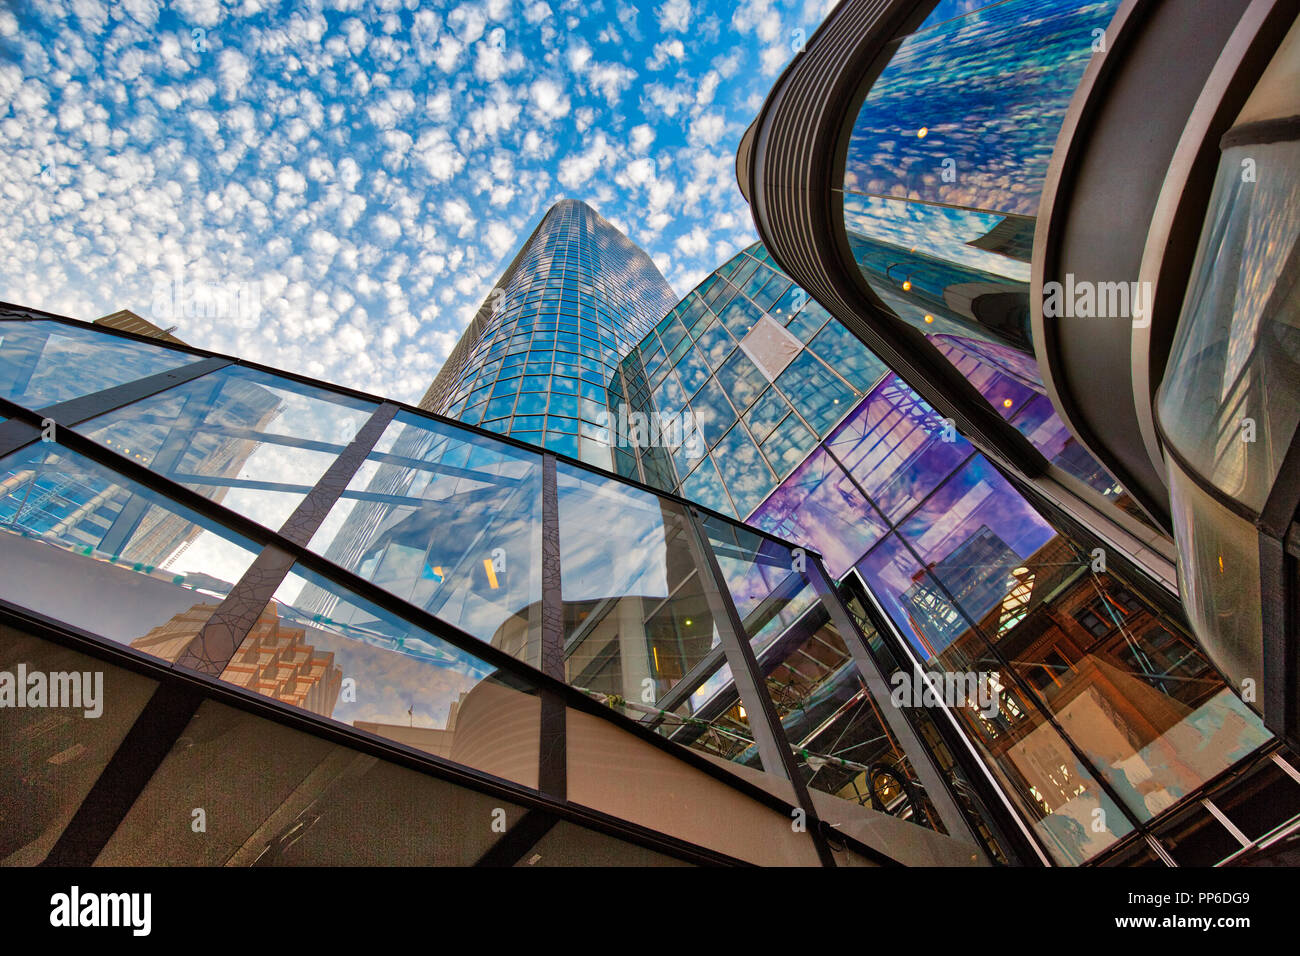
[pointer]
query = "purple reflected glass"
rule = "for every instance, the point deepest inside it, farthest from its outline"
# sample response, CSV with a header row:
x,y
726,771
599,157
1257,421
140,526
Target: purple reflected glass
x,y
912,599
818,506
894,445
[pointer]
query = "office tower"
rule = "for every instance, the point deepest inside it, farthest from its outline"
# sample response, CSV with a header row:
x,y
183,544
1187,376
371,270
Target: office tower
x,y
1008,496
536,360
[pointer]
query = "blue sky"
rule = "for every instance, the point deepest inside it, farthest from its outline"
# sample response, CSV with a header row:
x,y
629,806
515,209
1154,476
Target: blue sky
x,y
361,173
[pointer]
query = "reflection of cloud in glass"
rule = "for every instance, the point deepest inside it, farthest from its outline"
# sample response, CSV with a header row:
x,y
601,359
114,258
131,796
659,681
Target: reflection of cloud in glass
x,y
990,89
932,230
819,507
396,667
53,362
977,495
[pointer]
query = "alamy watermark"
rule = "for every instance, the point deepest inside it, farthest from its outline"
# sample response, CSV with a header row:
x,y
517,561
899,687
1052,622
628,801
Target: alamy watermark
x,y
1084,299
75,909
949,688
175,299
658,430
75,689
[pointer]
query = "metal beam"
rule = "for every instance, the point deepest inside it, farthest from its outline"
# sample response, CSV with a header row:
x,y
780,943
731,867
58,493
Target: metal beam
x,y
764,721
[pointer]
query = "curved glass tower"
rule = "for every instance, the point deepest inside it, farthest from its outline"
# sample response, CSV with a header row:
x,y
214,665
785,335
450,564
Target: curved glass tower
x,y
537,359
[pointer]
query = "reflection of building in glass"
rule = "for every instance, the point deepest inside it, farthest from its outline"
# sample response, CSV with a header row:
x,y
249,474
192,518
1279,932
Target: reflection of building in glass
x,y
537,360
44,501
274,660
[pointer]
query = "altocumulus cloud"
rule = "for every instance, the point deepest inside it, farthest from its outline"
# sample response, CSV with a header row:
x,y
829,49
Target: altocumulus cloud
x,y
372,166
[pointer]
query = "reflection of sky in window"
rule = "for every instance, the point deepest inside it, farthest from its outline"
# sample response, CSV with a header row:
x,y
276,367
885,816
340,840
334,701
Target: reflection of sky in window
x,y
238,399
990,90
79,481
977,495
936,231
818,506
68,362
891,572
613,540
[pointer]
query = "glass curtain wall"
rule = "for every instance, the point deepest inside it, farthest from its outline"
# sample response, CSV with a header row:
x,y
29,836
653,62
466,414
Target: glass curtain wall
x,y
580,297
752,368
1107,713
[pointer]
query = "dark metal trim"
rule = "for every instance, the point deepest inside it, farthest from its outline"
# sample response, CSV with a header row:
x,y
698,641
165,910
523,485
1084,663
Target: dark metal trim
x,y
552,651
518,840
1283,499
312,510
1261,132
1280,609
212,648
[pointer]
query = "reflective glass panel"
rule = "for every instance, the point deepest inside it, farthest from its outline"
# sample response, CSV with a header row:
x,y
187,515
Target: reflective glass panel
x,y
1230,401
820,506
147,571
449,521
636,618
254,442
43,363
1052,788
366,667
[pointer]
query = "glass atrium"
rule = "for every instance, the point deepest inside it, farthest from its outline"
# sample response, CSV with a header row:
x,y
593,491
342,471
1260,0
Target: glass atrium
x,y
353,594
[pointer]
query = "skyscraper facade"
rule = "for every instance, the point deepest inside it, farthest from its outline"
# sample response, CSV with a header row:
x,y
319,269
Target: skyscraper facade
x,y
957,568
537,359
757,366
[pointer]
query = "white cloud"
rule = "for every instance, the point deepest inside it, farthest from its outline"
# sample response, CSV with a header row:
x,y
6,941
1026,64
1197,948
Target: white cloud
x,y
610,79
641,138
537,12
576,170
438,154
291,181
664,51
693,243
234,69
549,100
674,15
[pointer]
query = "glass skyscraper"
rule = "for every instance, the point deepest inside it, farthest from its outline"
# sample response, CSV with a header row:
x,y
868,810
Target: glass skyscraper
x,y
537,359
